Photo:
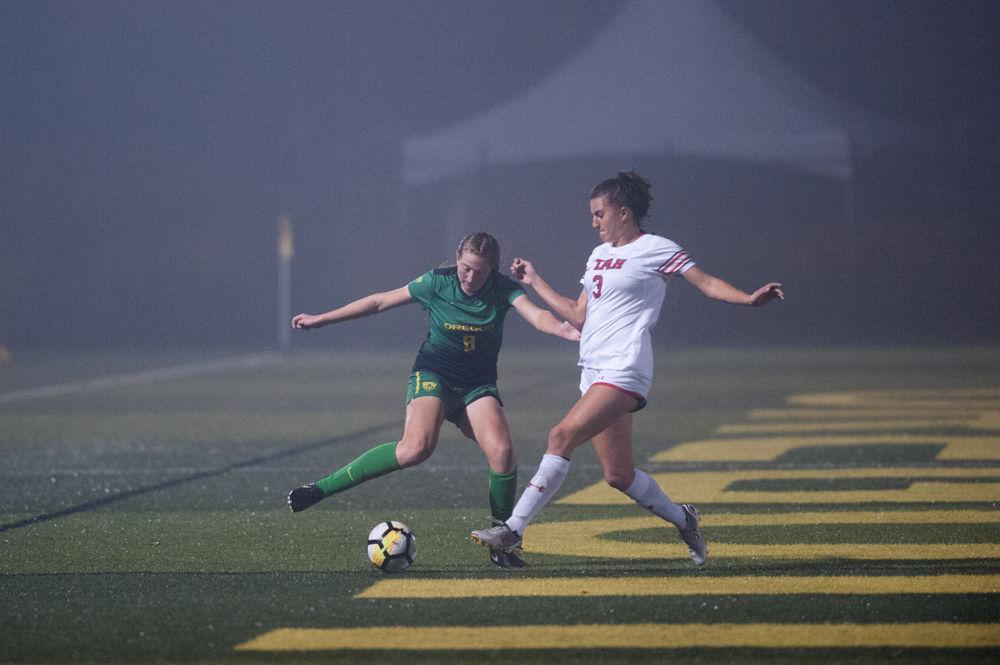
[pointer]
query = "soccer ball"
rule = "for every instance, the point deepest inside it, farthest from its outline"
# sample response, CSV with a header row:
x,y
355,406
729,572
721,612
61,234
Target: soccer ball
x,y
392,547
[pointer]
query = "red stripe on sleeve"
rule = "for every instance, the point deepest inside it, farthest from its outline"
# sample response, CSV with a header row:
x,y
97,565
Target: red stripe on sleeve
x,y
675,263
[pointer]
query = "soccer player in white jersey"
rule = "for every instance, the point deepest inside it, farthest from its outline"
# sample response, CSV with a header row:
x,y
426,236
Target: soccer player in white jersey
x,y
623,290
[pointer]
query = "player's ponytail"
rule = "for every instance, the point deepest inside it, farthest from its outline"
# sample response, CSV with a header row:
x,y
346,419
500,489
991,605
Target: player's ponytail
x,y
627,189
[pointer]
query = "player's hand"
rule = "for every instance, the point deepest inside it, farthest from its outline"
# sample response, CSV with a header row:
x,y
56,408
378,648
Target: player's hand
x,y
766,294
567,331
523,271
305,322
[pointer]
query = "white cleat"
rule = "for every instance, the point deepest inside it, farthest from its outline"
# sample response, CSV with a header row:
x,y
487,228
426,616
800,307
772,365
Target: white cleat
x,y
692,536
500,558
498,537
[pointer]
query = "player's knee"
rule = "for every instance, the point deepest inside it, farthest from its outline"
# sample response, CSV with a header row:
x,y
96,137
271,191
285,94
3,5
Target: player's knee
x,y
560,440
413,451
499,451
618,479
502,458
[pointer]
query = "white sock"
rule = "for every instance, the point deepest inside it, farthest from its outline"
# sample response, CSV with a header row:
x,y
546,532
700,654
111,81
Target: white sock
x,y
543,485
646,492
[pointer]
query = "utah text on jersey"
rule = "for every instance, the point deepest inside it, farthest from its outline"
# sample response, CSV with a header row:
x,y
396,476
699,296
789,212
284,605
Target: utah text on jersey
x,y
609,264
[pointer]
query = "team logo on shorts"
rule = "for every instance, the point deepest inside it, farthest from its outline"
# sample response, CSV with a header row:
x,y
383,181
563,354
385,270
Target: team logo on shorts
x,y
429,385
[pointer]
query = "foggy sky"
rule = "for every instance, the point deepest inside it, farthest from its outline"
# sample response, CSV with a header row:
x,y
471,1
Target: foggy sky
x,y
147,149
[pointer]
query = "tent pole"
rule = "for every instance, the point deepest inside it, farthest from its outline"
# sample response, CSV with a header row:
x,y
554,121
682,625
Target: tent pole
x,y
850,225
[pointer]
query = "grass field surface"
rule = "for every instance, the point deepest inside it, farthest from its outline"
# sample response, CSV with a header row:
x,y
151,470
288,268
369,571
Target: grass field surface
x,y
850,499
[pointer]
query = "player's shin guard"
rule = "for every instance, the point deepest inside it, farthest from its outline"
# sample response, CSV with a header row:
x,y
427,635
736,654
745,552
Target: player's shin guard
x,y
545,483
646,492
373,463
503,491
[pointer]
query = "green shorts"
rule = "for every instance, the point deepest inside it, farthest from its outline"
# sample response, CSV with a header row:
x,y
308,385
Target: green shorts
x,y
455,398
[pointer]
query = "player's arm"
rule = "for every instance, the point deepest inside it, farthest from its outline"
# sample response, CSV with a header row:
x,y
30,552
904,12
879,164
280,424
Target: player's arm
x,y
373,304
543,320
719,289
573,311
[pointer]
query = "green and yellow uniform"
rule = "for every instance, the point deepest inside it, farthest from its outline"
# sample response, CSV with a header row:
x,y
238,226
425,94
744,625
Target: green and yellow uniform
x,y
457,362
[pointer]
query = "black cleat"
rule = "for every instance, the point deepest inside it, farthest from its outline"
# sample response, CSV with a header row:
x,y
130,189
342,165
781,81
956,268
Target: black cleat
x,y
507,560
301,498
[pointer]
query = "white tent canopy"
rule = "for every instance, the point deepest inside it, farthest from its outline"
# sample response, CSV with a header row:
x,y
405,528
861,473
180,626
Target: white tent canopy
x,y
666,76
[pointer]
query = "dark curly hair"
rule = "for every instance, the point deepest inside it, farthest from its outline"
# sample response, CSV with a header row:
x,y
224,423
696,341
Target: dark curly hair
x,y
628,189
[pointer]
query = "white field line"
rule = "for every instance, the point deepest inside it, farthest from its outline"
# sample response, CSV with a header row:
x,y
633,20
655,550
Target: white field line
x,y
25,472
135,378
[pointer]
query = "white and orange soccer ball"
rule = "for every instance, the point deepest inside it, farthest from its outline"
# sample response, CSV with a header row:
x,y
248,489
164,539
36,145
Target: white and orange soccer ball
x,y
392,546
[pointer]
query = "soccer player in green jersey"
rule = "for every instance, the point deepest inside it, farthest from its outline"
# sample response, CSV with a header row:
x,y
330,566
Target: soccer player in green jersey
x,y
454,376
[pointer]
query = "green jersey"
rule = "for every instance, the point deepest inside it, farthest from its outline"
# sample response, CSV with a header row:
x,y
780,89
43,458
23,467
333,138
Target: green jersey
x,y
465,332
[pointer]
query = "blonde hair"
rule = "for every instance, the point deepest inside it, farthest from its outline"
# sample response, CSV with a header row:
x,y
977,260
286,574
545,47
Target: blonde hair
x,y
481,244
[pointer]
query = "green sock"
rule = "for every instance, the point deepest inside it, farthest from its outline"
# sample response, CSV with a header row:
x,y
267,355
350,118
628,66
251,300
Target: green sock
x,y
503,488
373,463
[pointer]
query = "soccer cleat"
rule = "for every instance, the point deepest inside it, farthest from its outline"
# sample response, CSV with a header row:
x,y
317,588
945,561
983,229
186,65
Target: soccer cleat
x,y
498,537
692,536
502,559
301,498
507,560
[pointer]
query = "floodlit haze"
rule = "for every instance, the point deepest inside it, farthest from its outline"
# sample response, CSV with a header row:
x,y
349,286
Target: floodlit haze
x,y
147,150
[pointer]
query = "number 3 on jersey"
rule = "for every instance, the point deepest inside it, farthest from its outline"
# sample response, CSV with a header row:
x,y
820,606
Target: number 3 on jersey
x,y
598,285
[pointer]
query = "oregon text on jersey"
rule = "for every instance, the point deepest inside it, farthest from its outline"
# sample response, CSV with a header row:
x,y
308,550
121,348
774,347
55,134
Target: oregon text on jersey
x,y
461,327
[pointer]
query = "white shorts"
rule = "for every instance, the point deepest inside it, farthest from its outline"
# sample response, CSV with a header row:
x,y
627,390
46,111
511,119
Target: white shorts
x,y
631,383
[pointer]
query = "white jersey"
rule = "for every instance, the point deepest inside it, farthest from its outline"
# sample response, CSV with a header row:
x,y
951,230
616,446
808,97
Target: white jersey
x,y
625,289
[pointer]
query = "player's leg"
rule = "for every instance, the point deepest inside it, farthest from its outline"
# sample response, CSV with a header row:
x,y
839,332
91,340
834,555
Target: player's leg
x,y
613,448
592,414
596,409
488,426
424,416
483,420
420,433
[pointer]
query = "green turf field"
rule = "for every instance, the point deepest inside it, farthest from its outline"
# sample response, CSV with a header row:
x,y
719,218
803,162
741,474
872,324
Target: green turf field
x,y
849,498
